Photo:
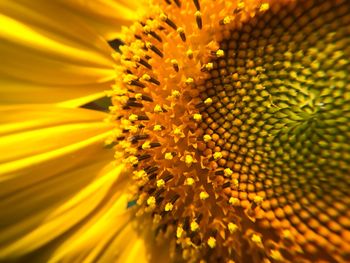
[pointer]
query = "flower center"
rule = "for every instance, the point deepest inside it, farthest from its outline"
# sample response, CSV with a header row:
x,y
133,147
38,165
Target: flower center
x,y
235,120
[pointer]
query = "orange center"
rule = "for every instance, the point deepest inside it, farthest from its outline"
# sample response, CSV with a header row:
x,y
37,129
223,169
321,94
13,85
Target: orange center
x,y
234,117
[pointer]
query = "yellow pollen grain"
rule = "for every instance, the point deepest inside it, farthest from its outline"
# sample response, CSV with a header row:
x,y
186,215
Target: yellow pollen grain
x,y
211,242
125,144
175,93
220,53
241,5
209,66
146,77
160,183
168,207
276,255
233,201
217,155
189,53
125,122
178,132
189,80
122,100
132,160
189,159
163,17
208,101
149,45
138,96
113,109
258,199
264,7
180,30
227,20
228,172
129,78
207,138
151,201
174,62
168,156
235,182
157,127
203,195
189,181
116,91
197,117
136,58
158,109
198,14
256,239
146,145
133,117
179,231
132,151
287,234
132,128
194,226
147,29
140,174
232,227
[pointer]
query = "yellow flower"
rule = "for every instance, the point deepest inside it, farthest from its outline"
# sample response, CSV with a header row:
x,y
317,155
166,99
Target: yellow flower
x,y
228,137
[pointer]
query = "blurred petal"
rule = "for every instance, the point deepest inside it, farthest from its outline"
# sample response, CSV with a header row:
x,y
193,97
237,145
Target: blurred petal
x,y
93,225
112,236
49,55
51,162
93,241
40,141
107,16
42,212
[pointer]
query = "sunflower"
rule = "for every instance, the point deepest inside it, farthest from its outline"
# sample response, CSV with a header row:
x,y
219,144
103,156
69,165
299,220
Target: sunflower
x,y
226,139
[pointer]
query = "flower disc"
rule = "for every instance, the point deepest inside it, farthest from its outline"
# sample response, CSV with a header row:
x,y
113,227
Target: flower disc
x,y
234,116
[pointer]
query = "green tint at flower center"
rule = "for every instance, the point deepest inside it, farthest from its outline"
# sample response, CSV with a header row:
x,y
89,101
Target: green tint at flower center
x,y
281,111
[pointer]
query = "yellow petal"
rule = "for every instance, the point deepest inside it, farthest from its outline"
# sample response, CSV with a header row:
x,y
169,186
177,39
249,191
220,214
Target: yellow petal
x,y
37,142
49,55
40,213
51,173
112,236
107,16
94,237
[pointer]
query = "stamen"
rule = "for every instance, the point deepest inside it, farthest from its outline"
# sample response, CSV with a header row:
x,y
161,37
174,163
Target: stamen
x,y
164,18
134,139
175,64
134,104
154,49
144,157
196,3
181,32
178,3
145,63
198,16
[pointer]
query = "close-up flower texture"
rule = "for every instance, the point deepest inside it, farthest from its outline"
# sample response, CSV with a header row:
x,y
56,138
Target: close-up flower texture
x,y
175,131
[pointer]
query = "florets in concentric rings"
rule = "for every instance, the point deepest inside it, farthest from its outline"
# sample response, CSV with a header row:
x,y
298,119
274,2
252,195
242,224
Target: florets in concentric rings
x,y
234,116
